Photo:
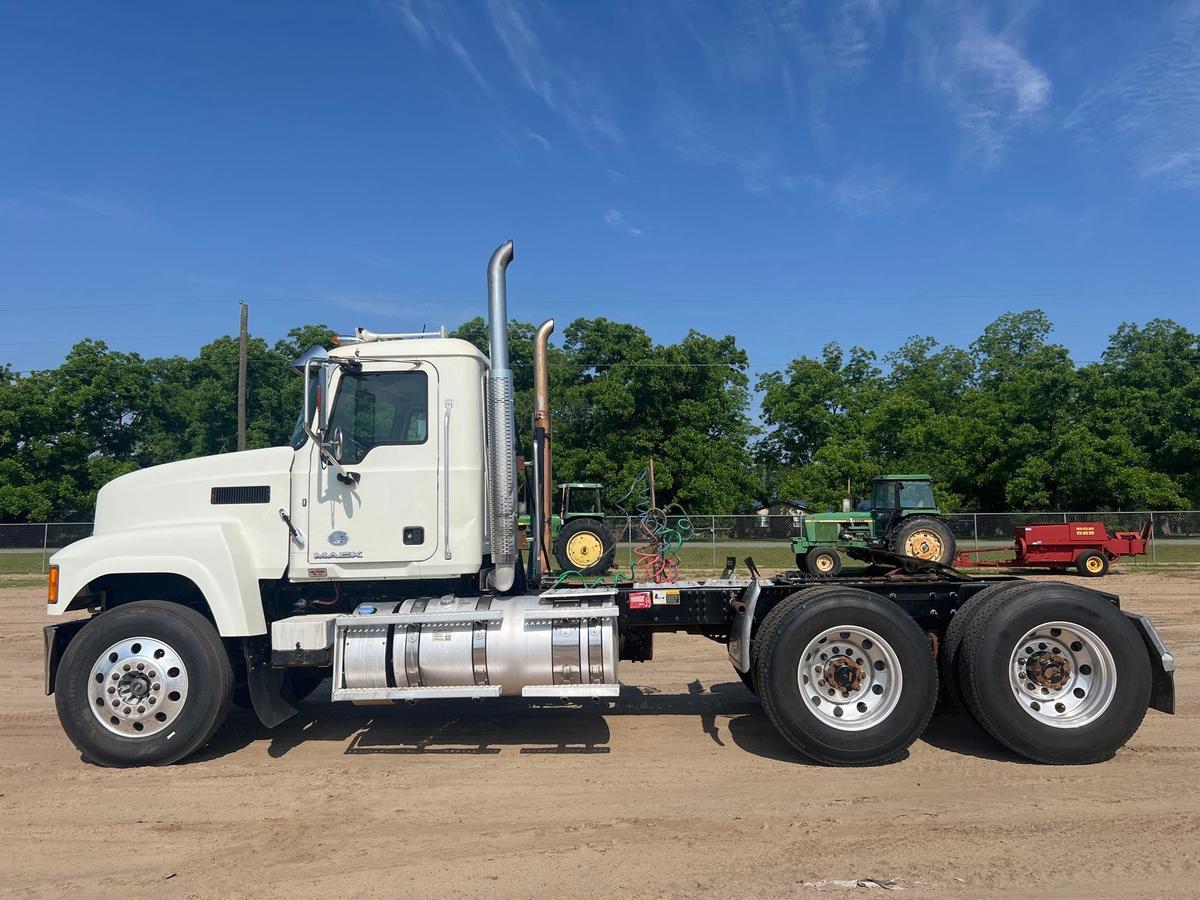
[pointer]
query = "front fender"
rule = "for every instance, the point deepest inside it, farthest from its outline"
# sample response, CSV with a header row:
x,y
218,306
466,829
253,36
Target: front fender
x,y
213,556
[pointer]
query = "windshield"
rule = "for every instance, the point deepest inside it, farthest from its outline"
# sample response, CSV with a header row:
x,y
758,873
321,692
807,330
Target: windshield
x,y
916,495
913,495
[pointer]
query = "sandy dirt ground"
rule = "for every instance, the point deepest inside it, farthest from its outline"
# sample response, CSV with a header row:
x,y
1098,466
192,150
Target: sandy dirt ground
x,y
680,788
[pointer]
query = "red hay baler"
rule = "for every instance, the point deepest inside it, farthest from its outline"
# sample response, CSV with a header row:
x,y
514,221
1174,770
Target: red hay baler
x,y
1084,546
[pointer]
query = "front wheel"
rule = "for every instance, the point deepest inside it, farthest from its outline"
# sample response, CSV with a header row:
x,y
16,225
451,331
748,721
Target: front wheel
x,y
846,678
823,561
144,684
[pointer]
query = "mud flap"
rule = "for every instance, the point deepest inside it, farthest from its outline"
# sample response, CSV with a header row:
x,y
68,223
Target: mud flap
x,y
267,685
55,639
1162,665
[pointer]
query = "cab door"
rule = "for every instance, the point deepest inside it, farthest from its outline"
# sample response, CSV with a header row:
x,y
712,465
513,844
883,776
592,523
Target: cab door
x,y
379,422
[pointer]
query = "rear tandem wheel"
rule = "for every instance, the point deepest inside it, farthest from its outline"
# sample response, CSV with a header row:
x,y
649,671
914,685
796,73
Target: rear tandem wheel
x,y
1055,673
846,677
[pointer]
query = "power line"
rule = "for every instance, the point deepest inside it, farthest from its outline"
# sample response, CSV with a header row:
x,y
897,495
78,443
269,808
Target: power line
x,y
121,337
166,304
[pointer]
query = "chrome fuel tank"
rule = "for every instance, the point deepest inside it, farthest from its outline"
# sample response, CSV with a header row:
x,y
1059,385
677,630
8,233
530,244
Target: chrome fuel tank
x,y
477,647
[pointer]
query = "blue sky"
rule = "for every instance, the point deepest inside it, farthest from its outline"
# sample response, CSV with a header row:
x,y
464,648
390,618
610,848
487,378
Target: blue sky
x,y
792,173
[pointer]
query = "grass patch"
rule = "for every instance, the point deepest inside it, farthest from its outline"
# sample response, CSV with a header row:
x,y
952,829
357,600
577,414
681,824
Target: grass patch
x,y
21,562
22,581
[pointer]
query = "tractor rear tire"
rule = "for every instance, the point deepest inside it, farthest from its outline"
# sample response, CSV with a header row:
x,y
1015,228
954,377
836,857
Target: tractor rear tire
x,y
586,546
824,562
1091,564
924,537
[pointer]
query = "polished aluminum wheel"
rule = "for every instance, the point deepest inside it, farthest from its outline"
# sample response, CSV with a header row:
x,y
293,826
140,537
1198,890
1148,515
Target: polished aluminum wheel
x,y
138,687
851,677
1062,674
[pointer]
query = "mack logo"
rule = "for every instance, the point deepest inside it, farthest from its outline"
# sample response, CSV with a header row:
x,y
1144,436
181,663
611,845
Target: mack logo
x,y
338,554
339,538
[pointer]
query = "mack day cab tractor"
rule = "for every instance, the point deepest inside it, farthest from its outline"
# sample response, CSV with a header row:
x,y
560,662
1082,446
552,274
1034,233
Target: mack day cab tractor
x,y
379,552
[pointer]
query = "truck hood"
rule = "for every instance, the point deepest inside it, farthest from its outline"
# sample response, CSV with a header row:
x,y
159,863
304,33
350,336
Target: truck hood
x,y
183,491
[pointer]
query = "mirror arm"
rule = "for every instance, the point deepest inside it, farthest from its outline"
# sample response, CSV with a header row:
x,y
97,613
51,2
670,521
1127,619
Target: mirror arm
x,y
342,475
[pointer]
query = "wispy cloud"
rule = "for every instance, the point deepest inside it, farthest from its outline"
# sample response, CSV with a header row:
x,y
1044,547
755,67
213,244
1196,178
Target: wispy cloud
x,y
413,313
981,73
864,191
539,140
856,31
1152,105
104,207
692,137
562,82
433,23
541,58
614,218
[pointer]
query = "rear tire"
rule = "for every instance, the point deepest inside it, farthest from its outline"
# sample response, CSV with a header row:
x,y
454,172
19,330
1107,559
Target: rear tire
x,y
1091,564
824,562
952,639
144,684
586,546
1078,696
924,537
848,679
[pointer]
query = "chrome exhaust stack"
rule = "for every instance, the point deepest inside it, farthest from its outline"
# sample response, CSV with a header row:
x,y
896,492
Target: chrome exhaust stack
x,y
542,466
501,438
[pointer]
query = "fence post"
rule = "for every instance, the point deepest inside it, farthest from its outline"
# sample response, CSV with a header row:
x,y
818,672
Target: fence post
x,y
712,532
45,545
1153,541
975,525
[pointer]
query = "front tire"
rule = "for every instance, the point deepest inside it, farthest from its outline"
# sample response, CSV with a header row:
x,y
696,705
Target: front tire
x,y
824,562
144,684
1056,674
848,679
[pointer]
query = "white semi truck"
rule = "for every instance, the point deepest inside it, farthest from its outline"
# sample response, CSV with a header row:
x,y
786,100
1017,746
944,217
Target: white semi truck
x,y
380,552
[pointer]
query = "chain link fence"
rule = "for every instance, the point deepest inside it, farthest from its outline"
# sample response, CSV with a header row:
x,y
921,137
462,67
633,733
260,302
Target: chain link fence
x,y
25,548
1174,536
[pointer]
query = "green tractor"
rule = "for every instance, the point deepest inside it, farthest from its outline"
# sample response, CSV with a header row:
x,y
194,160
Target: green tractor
x,y
901,516
582,542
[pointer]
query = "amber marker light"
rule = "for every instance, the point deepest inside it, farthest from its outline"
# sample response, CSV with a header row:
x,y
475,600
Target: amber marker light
x,y
52,585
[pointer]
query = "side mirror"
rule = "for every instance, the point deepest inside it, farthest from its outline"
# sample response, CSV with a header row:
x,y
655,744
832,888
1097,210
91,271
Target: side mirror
x,y
337,443
315,373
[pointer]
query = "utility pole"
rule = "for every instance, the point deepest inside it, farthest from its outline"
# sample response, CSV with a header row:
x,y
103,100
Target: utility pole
x,y
243,340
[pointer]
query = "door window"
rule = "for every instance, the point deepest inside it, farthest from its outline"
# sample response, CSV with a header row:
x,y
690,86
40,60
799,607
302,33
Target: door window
x,y
377,408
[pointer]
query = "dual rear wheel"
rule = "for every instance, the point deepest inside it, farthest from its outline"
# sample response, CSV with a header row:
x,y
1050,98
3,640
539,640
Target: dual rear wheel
x,y
1052,671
